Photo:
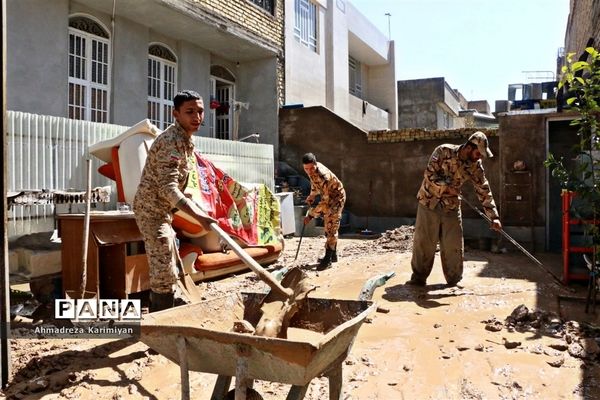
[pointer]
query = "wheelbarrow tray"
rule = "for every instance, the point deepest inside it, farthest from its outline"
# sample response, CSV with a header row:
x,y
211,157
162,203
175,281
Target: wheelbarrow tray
x,y
211,347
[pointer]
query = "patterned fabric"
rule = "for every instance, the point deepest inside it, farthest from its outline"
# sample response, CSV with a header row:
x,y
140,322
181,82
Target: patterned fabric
x,y
333,197
445,168
431,227
250,214
165,173
161,187
480,140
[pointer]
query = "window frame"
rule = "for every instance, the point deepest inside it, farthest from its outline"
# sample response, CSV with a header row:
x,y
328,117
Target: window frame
x,y
261,4
304,22
86,110
355,71
164,104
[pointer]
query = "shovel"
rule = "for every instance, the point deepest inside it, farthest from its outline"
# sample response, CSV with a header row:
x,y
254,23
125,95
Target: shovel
x,y
262,273
301,234
284,299
185,283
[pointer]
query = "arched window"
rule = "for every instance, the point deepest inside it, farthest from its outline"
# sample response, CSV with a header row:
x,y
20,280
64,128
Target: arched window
x,y
89,70
162,81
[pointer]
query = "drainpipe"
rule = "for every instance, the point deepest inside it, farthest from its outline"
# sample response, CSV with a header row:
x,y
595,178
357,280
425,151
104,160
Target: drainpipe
x,y
112,63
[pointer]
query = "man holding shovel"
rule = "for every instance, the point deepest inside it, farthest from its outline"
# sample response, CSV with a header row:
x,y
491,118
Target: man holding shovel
x,y
438,212
323,182
160,192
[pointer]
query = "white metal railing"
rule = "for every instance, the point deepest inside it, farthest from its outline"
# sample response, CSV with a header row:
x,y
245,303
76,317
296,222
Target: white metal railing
x,y
46,152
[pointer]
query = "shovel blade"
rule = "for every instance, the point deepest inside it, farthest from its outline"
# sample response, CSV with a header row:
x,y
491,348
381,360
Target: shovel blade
x,y
189,289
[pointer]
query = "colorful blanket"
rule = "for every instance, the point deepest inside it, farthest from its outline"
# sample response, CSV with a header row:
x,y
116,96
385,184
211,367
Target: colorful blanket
x,y
250,214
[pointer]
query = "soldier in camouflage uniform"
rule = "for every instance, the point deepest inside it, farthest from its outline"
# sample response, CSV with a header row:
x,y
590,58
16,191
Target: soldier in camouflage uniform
x,y
160,192
324,183
438,212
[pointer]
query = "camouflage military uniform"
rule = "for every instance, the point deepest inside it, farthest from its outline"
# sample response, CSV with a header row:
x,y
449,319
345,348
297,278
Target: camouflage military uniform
x,y
333,197
439,215
161,188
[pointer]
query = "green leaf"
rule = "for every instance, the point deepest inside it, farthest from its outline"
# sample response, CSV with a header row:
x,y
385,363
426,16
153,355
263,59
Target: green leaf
x,y
571,100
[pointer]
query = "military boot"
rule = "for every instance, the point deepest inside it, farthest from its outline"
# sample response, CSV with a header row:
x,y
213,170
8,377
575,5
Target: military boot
x,y
325,262
161,301
333,256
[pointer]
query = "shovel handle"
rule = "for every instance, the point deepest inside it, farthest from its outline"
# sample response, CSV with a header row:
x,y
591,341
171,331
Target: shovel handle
x,y
262,273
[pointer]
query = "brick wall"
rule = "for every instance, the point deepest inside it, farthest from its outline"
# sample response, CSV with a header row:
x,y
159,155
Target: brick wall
x,y
254,19
409,135
582,25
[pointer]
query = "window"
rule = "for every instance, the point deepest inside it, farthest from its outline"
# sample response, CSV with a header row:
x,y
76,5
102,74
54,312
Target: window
x,y
355,83
305,23
162,81
267,5
89,70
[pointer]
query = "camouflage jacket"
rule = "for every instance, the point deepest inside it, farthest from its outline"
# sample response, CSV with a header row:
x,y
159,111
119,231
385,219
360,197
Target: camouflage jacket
x,y
324,182
165,173
445,168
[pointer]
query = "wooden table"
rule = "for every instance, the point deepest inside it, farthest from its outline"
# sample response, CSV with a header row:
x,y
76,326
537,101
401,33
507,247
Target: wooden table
x,y
116,263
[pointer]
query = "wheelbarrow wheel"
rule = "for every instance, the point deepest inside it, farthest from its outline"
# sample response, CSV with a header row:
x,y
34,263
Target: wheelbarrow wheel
x,y
251,394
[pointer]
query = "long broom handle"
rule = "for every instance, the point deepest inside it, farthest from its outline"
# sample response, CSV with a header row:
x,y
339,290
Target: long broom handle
x,y
513,241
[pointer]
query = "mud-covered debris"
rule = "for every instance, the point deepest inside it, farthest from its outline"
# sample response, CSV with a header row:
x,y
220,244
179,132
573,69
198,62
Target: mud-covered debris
x,y
559,346
509,344
383,310
556,362
520,314
590,346
242,326
493,325
576,350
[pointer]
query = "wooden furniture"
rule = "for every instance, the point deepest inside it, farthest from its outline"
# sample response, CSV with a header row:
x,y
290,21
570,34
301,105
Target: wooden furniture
x,y
116,264
568,223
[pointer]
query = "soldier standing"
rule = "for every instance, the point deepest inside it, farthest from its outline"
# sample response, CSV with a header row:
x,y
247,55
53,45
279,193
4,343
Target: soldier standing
x,y
438,212
160,191
323,182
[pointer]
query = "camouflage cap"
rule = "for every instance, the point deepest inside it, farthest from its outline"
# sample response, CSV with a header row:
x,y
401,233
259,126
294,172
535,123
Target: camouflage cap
x,y
480,140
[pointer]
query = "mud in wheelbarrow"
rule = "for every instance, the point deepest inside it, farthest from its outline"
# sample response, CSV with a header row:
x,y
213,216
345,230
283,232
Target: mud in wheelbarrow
x,y
198,337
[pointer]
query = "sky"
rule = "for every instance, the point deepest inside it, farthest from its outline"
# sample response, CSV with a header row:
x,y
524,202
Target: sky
x,y
478,46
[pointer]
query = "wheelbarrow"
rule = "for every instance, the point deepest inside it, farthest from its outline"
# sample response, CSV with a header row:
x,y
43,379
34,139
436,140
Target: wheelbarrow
x,y
199,337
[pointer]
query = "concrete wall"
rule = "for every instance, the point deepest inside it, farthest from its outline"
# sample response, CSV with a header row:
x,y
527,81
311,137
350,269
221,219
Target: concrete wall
x,y
37,48
258,87
394,168
36,71
417,102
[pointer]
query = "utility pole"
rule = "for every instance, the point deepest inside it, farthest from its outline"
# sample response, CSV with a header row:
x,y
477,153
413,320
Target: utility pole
x,y
388,15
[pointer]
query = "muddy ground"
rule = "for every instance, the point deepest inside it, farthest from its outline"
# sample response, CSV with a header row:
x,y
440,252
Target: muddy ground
x,y
503,333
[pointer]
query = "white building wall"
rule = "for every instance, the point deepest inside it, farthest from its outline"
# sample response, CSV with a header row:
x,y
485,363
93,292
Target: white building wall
x,y
322,78
305,76
336,54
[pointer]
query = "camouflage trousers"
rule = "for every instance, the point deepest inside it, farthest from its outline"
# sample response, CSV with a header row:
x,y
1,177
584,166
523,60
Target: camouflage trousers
x,y
431,227
159,240
332,215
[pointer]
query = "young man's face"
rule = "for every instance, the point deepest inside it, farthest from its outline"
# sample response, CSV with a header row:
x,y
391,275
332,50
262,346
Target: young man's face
x,y
190,115
309,168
